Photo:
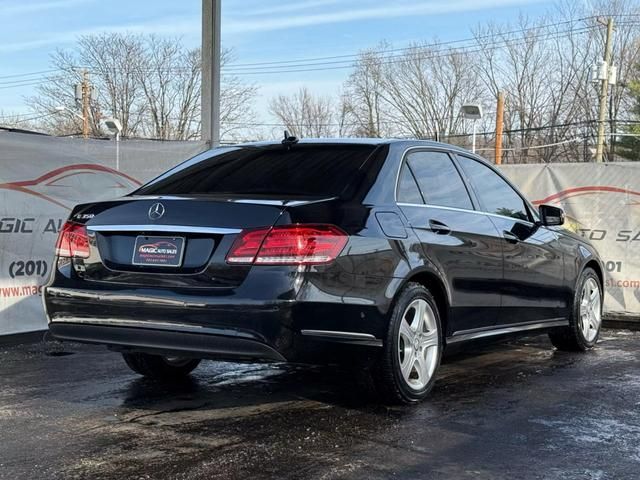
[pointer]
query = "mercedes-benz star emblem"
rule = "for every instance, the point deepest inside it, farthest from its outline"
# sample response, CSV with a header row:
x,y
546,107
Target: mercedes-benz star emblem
x,y
156,211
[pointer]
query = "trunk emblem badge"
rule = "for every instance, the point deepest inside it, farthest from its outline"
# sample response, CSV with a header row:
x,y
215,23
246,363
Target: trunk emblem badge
x,y
156,211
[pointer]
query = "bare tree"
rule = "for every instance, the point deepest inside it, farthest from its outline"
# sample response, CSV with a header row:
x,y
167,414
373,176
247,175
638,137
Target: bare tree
x,y
152,85
545,72
237,115
304,114
18,121
170,77
426,88
363,106
112,60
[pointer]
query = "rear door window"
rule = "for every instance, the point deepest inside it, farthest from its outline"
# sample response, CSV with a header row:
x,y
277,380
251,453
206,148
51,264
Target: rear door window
x,y
302,170
408,191
438,179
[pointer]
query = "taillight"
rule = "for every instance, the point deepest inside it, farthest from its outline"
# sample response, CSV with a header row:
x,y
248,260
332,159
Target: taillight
x,y
73,241
299,244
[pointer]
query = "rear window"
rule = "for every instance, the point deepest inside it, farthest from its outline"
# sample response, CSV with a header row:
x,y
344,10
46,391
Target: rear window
x,y
303,170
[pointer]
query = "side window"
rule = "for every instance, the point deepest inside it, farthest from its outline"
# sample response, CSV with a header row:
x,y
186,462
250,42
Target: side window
x,y
439,180
494,193
408,188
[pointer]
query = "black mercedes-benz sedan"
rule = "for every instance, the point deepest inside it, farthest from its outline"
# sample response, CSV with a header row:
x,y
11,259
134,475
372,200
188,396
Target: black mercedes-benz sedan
x,y
389,249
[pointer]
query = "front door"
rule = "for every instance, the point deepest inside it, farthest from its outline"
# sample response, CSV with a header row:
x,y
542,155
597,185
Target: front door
x,y
533,286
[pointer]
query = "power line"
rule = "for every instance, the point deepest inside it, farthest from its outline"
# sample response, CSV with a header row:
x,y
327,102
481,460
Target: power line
x,y
26,84
535,147
29,74
500,43
37,117
246,68
390,59
350,63
435,44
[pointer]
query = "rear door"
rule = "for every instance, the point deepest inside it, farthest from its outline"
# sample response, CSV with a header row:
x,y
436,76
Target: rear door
x,y
533,286
463,243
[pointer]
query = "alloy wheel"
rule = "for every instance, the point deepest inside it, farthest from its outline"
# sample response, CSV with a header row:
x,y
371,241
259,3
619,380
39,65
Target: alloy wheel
x,y
590,310
418,344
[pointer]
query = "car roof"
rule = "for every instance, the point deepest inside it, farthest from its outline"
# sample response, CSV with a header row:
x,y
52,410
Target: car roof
x,y
402,142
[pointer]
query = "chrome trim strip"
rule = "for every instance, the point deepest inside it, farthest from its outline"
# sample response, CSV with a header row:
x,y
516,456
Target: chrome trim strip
x,y
138,299
163,228
153,325
339,335
474,334
102,296
454,152
455,209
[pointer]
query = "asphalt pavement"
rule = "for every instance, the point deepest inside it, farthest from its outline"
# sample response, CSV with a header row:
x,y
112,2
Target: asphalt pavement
x,y
517,410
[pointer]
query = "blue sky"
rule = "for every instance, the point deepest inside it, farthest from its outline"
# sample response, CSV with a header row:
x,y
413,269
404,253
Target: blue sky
x,y
258,31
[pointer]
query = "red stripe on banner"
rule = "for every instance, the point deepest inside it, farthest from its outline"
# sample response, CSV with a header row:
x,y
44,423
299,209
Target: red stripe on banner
x,y
68,168
56,174
19,188
583,190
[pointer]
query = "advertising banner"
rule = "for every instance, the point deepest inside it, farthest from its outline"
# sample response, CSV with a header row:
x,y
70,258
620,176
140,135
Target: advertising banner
x,y
602,203
41,180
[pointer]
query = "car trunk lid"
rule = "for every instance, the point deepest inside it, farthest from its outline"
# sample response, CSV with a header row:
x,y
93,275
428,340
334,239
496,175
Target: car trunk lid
x,y
169,241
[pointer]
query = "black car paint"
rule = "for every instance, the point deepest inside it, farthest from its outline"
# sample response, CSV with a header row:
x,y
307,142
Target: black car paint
x,y
216,310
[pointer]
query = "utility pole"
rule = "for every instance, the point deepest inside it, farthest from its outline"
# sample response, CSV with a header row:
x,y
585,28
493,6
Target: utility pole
x,y
604,89
86,92
499,128
210,110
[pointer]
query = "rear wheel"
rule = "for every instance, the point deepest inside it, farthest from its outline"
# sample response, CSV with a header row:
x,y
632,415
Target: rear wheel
x,y
586,319
159,367
406,369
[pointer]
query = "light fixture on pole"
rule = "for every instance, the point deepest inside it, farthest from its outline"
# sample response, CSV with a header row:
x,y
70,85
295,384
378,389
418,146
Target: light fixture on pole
x,y
472,111
115,127
61,109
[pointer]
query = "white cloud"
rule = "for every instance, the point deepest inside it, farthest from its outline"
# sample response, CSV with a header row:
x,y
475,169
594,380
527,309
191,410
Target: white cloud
x,y
171,26
16,8
292,7
389,10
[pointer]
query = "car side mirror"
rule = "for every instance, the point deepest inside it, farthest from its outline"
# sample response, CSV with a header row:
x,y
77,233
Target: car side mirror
x,y
551,216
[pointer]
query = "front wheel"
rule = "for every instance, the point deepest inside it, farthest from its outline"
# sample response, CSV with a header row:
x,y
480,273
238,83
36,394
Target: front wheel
x,y
406,368
586,319
159,367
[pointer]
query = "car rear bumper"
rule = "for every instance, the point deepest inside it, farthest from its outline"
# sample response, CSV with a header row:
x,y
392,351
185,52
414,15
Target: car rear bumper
x,y
221,327
163,338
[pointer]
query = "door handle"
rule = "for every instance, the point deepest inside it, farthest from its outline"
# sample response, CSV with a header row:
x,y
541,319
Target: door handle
x,y
510,236
439,227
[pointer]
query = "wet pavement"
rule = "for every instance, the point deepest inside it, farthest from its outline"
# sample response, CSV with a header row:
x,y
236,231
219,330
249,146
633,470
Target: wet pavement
x,y
511,411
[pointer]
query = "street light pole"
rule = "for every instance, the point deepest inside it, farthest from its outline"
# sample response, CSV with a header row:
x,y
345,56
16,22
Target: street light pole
x,y
115,127
118,151
473,138
472,111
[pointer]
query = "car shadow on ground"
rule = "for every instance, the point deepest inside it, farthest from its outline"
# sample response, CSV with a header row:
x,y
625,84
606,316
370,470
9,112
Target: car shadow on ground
x,y
220,385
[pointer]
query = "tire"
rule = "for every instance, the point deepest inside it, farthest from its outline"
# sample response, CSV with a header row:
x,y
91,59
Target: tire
x,y
586,317
403,348
159,367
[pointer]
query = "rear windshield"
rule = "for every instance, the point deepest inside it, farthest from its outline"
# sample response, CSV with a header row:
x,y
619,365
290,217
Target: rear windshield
x,y
303,170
